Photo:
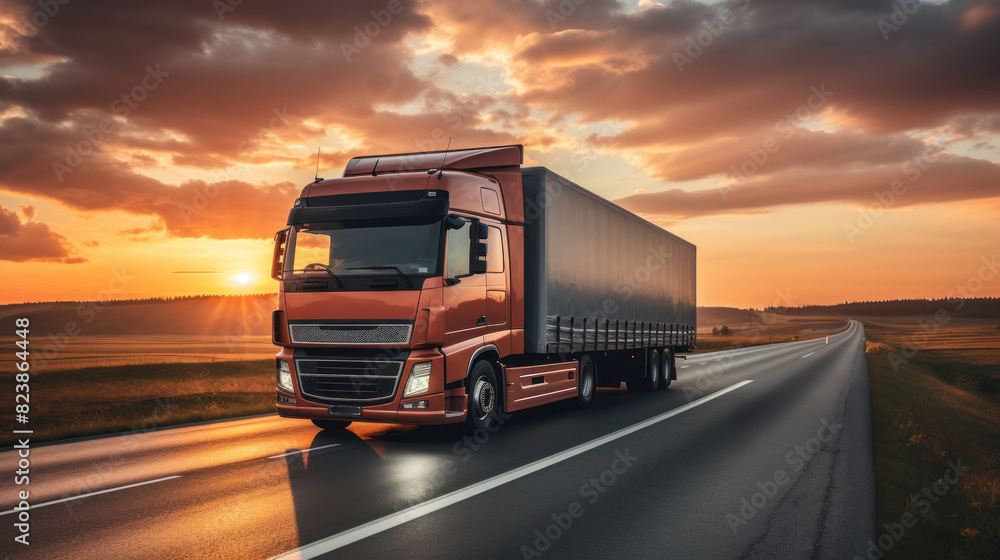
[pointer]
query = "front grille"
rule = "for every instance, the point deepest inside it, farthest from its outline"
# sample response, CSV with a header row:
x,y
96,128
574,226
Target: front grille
x,y
369,381
376,334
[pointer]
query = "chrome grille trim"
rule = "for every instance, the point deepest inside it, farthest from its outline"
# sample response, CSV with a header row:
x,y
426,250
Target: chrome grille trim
x,y
353,334
349,380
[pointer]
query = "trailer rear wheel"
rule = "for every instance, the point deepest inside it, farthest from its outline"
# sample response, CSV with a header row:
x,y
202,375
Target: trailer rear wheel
x,y
331,424
587,377
649,378
484,396
667,366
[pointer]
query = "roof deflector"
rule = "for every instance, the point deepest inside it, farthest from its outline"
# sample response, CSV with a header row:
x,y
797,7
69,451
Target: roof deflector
x,y
468,159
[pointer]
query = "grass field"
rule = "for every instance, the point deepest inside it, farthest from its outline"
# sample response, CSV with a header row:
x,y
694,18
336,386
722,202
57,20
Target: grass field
x,y
767,329
936,404
107,399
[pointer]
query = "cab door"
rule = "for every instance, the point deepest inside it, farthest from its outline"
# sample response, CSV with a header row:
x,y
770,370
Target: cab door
x,y
464,292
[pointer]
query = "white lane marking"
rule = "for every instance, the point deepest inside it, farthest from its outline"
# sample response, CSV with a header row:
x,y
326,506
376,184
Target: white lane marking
x,y
82,496
685,367
390,521
303,450
809,354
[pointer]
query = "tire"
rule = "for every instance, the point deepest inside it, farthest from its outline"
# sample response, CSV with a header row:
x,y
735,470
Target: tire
x,y
667,367
331,424
649,378
587,381
484,397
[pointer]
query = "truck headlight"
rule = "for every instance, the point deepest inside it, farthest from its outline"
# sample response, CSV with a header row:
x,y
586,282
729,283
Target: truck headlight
x,y
419,380
285,377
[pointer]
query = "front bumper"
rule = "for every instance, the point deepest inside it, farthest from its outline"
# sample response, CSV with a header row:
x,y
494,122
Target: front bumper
x,y
436,411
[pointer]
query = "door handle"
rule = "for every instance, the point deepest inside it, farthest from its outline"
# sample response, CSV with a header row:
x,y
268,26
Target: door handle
x,y
481,320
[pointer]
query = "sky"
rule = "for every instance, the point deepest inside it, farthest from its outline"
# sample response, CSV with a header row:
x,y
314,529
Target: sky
x,y
816,151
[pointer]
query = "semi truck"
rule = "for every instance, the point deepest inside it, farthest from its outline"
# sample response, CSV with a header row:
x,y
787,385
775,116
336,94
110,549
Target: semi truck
x,y
457,286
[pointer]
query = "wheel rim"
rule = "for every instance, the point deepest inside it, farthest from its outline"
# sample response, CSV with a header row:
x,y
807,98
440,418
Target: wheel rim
x,y
484,395
654,368
586,382
665,365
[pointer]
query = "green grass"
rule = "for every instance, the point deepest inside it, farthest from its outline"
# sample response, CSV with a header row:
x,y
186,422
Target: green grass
x,y
935,407
101,400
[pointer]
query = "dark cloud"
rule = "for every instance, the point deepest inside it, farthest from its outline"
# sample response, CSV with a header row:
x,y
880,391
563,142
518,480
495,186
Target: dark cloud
x,y
698,88
33,242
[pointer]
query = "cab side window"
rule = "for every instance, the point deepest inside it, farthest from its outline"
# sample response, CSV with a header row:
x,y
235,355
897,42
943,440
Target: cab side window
x,y
459,251
494,251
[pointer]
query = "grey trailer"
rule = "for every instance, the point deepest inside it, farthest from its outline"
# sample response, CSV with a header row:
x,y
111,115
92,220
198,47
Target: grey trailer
x,y
598,277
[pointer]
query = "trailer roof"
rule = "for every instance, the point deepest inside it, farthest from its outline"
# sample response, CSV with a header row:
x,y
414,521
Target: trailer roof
x,y
470,158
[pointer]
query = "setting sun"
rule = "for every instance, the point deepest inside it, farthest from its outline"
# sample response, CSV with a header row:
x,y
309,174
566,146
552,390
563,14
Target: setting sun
x,y
243,278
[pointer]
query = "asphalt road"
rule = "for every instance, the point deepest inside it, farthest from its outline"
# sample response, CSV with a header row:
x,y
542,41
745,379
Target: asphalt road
x,y
762,452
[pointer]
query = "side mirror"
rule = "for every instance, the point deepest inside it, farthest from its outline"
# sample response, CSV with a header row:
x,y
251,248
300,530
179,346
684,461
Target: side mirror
x,y
484,231
277,259
454,221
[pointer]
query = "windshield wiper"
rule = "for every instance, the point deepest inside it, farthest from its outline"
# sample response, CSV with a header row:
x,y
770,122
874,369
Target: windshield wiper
x,y
409,284
326,269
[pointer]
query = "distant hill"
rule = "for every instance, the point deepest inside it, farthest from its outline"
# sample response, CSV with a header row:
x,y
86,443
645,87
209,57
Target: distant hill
x,y
194,315
979,308
250,314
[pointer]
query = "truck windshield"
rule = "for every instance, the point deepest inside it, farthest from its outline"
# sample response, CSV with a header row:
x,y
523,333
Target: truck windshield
x,y
352,248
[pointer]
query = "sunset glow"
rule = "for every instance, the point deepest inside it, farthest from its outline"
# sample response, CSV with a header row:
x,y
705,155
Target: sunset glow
x,y
845,162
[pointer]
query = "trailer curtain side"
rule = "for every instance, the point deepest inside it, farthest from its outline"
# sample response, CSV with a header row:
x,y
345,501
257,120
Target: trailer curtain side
x,y
598,277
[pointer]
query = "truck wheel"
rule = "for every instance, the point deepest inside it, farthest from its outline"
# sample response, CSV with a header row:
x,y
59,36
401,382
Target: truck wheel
x,y
587,380
667,366
484,396
649,379
332,424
